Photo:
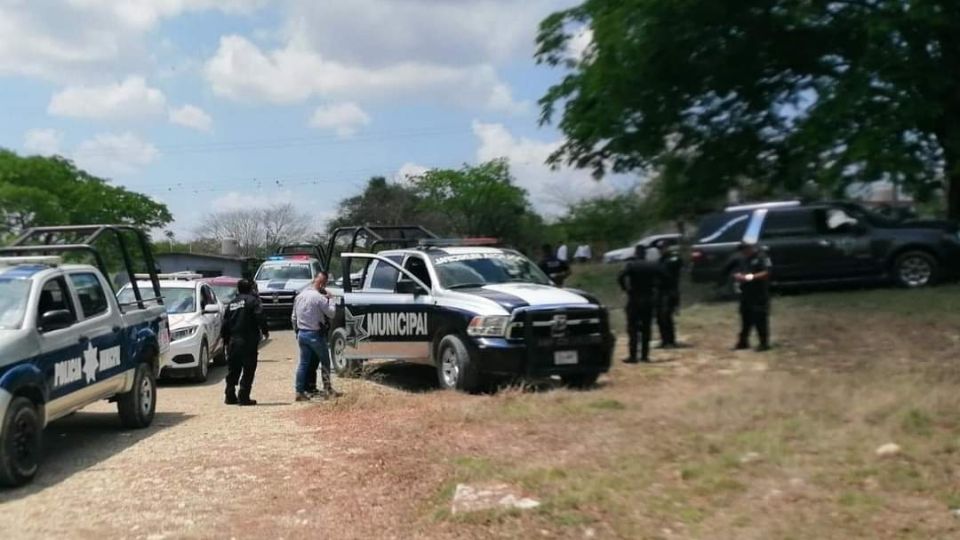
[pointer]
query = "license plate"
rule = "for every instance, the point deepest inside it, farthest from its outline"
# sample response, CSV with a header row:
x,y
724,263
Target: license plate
x,y
565,358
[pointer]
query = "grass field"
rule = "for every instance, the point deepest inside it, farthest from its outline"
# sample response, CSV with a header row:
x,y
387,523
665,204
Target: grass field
x,y
705,443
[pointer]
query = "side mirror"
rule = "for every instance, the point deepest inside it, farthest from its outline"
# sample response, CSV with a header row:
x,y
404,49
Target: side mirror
x,y
57,319
408,286
211,309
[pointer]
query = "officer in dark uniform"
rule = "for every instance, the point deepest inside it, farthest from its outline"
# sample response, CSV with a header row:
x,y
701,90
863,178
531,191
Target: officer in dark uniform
x,y
668,293
243,327
753,276
553,267
640,279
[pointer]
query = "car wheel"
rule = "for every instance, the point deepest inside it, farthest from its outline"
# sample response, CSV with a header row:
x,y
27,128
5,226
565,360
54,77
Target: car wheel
x,y
20,444
138,406
203,364
915,269
344,367
455,369
580,381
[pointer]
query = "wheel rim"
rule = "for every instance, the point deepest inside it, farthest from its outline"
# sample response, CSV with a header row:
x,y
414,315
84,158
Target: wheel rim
x,y
915,271
338,356
204,361
450,367
24,451
146,396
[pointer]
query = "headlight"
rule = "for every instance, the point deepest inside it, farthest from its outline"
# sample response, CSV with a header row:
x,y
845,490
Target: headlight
x,y
183,333
492,326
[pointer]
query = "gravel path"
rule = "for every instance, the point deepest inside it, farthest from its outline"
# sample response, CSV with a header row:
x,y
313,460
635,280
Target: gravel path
x,y
197,472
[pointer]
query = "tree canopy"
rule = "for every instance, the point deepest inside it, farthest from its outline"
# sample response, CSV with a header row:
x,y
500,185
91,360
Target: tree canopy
x,y
258,231
37,191
770,93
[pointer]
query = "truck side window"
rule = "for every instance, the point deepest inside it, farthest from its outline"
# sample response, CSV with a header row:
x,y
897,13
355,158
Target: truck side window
x,y
837,221
384,276
789,224
54,297
418,267
207,296
93,301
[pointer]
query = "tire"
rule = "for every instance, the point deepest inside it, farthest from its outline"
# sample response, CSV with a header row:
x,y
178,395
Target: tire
x,y
915,269
580,381
138,406
203,363
455,369
21,442
343,367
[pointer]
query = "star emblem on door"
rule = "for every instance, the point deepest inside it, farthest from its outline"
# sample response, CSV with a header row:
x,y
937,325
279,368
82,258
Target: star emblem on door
x,y
355,329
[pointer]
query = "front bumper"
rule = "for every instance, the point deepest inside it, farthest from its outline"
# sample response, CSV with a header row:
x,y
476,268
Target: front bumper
x,y
183,355
505,357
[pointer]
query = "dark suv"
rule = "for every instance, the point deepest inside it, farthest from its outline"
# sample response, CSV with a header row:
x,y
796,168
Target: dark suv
x,y
827,242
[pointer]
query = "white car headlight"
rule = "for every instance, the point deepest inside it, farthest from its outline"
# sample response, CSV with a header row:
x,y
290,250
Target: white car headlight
x,y
491,326
183,333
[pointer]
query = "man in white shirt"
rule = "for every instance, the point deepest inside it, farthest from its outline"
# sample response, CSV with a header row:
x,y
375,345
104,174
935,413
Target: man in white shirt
x,y
562,252
583,253
313,309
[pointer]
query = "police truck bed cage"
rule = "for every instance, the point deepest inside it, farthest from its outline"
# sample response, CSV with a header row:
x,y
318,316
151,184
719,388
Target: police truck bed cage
x,y
310,250
376,236
80,239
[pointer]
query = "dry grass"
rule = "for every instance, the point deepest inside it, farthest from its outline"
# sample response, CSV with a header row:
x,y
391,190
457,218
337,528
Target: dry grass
x,y
706,444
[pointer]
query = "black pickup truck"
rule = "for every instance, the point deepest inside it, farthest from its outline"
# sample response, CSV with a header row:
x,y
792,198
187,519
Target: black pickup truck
x,y
836,241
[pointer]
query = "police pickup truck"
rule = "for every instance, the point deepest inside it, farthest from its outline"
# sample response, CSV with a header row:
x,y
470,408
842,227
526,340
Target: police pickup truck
x,y
66,342
280,278
475,313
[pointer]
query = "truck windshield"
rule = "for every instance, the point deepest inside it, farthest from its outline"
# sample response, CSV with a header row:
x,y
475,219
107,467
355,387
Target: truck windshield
x,y
284,271
176,300
14,294
478,269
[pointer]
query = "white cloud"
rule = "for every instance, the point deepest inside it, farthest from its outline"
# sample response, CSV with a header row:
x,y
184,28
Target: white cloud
x,y
110,154
344,118
191,117
236,200
551,191
44,142
579,44
408,171
240,70
129,99
75,40
378,33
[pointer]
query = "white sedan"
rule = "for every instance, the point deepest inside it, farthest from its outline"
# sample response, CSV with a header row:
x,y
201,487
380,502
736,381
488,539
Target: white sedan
x,y
628,253
196,317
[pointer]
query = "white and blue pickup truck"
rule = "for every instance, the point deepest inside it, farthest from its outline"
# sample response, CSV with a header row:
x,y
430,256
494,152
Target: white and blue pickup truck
x,y
66,342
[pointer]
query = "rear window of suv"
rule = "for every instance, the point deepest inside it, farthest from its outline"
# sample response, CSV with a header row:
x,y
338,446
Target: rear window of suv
x,y
723,227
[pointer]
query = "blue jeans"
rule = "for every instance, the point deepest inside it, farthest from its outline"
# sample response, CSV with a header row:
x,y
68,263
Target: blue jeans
x,y
313,351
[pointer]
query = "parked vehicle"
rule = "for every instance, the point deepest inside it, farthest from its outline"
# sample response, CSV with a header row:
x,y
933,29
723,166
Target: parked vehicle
x,y
628,253
225,287
474,313
65,340
279,279
196,317
831,241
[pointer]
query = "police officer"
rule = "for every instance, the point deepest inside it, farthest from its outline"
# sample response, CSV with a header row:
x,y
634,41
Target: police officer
x,y
753,276
668,293
553,267
640,279
243,327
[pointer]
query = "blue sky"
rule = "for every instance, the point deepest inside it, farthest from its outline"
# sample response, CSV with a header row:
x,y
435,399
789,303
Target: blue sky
x,y
209,105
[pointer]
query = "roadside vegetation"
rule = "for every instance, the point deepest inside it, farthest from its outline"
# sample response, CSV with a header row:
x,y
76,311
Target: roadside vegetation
x,y
704,443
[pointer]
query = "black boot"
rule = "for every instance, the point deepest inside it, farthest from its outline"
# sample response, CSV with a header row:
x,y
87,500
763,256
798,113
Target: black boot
x,y
230,396
244,398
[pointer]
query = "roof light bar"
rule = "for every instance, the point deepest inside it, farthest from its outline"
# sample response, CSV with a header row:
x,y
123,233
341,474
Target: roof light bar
x,y
176,276
47,260
454,242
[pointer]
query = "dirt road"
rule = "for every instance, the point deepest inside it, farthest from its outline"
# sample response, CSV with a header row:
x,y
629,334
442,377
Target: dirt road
x,y
201,470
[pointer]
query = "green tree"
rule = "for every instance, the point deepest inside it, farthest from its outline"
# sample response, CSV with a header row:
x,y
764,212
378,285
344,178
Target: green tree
x,y
480,200
38,191
768,93
385,203
610,221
